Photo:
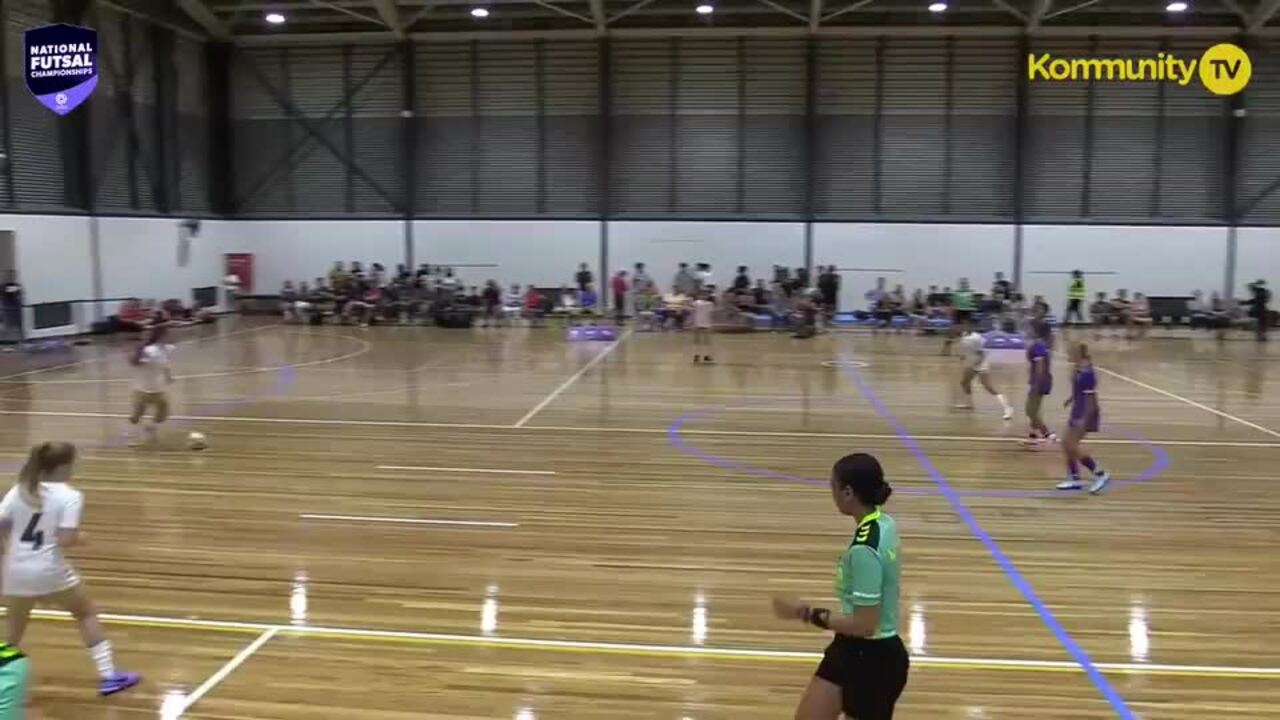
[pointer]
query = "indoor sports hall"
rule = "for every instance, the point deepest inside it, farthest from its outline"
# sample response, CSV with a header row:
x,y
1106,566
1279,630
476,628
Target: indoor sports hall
x,y
438,359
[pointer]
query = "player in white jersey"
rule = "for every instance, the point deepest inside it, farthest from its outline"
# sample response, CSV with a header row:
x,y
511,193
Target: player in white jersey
x,y
151,378
703,310
974,353
40,517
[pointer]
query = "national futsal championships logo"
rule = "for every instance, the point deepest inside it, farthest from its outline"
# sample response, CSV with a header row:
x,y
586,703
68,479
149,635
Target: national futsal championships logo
x,y
61,66
1223,69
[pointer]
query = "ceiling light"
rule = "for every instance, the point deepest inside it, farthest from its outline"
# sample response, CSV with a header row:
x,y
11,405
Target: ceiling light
x,y
479,12
274,18
1176,6
705,9
938,7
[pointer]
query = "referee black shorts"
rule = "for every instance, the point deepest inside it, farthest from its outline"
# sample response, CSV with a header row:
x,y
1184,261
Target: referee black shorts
x,y
871,674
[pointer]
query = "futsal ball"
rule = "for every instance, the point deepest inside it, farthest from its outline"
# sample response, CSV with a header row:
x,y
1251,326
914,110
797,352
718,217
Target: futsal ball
x,y
197,441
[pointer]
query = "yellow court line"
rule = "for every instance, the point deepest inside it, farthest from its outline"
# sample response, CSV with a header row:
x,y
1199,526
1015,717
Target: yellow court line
x,y
667,651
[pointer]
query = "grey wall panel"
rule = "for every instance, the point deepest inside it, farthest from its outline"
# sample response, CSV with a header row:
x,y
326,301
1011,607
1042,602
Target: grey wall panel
x,y
844,183
982,128
35,155
1056,157
913,136
1260,145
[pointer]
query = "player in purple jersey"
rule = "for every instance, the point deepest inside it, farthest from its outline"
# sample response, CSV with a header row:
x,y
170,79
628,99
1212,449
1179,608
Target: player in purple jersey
x,y
1086,417
1039,384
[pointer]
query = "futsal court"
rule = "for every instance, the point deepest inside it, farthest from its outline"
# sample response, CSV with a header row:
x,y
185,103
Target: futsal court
x,y
420,523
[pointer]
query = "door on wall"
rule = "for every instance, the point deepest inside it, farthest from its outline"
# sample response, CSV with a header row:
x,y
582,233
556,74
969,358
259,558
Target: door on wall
x,y
10,295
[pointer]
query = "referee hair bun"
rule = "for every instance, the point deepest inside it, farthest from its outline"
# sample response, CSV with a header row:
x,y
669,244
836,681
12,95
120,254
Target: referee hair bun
x,y
882,495
862,474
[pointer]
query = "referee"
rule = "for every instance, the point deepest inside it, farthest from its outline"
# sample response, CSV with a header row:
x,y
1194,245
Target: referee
x,y
864,669
14,670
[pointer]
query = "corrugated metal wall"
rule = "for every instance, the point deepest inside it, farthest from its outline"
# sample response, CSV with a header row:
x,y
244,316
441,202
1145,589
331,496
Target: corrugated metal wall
x,y
913,129
1260,147
147,126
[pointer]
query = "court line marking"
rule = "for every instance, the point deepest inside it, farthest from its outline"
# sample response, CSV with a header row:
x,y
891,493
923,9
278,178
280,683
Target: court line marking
x,y
652,650
992,546
407,521
600,356
223,672
1190,402
648,431
366,347
86,361
467,470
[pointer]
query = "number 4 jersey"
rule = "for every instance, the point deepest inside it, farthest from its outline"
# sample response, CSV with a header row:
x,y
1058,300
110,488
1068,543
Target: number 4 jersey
x,y
33,561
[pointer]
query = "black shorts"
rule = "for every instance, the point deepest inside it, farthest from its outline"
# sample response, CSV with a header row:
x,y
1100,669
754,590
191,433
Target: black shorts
x,y
964,317
870,673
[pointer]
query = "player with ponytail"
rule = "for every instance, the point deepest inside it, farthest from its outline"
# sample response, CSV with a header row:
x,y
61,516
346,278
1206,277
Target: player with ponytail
x,y
864,670
39,518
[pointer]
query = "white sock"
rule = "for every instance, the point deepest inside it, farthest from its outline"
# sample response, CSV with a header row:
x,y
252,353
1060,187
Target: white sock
x,y
101,654
1003,404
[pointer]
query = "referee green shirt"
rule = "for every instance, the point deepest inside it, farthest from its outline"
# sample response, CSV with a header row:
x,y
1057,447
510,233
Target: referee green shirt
x,y
868,571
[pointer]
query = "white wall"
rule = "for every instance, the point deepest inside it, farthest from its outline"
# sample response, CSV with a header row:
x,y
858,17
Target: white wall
x,y
915,256
302,250
1257,256
139,255
1149,260
140,259
662,246
543,253
54,260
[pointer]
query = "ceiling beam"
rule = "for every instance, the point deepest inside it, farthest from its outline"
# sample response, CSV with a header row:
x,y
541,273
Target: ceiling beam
x,y
847,9
390,15
199,12
347,10
815,15
1039,10
1261,16
598,17
785,10
1005,6
563,11
628,10
1073,8
1200,32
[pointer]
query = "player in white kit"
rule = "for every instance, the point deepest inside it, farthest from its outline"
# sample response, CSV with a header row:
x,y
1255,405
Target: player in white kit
x,y
40,516
151,379
974,352
703,309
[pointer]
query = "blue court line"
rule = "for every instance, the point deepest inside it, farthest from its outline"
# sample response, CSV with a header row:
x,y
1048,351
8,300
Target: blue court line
x,y
1160,461
1010,570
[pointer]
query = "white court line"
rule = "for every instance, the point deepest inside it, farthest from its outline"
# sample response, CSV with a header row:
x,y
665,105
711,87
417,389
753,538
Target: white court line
x,y
604,353
222,673
1190,402
647,649
86,361
407,521
365,347
641,431
467,470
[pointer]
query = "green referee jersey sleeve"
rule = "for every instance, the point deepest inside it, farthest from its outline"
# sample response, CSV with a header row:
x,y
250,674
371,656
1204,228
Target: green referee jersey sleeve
x,y
868,572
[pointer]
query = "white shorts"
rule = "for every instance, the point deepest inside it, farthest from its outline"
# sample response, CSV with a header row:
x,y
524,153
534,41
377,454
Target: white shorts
x,y
39,580
979,367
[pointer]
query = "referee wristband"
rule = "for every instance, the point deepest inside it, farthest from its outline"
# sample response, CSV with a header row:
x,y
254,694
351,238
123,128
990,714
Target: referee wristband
x,y
820,617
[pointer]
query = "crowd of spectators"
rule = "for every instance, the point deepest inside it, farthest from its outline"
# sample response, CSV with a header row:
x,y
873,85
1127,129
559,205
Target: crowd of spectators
x,y
786,298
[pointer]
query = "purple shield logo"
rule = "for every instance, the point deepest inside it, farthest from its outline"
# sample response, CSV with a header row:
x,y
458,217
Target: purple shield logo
x,y
61,65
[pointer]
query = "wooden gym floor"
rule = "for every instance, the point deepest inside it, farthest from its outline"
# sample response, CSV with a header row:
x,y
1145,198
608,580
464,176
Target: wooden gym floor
x,y
414,523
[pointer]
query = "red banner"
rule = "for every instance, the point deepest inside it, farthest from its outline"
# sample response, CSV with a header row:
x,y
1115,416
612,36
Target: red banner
x,y
241,265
